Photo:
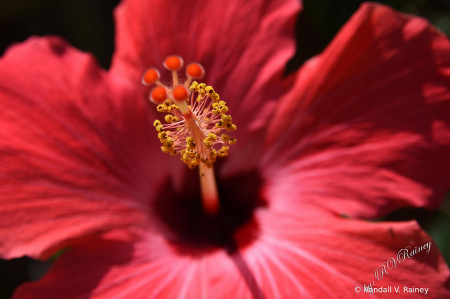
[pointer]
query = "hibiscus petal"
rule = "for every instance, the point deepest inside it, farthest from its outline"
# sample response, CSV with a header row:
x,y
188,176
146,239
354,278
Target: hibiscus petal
x,y
312,256
366,128
151,268
243,45
76,152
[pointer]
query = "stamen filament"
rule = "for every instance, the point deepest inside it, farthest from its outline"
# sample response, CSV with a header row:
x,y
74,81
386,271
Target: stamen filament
x,y
208,187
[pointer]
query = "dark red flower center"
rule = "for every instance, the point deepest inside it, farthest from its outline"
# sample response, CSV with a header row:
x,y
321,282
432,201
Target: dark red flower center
x,y
181,213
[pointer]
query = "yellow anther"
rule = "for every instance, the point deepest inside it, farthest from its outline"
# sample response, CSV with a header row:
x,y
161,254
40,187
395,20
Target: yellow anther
x,y
226,119
231,127
175,119
211,137
225,138
225,122
217,104
190,157
190,152
168,142
215,96
219,124
160,108
209,90
184,158
223,109
159,128
193,86
169,118
207,143
167,106
232,141
156,123
190,142
201,89
162,136
167,150
220,108
223,152
201,86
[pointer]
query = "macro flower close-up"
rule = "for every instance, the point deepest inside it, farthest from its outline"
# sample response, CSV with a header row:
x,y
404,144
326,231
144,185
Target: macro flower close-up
x,y
243,181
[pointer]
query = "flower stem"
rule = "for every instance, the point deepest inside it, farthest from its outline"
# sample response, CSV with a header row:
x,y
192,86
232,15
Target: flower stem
x,y
210,196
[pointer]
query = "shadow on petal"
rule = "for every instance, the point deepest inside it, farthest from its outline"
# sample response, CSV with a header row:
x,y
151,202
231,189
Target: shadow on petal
x,y
78,273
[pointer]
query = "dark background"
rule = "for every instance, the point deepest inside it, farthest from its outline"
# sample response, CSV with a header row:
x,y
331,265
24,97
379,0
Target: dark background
x,y
88,25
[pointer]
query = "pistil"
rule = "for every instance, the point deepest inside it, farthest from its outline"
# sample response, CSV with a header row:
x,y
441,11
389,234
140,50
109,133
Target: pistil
x,y
196,116
208,187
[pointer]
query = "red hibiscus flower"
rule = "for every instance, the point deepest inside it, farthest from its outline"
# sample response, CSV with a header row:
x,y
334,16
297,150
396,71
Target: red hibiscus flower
x,y
362,129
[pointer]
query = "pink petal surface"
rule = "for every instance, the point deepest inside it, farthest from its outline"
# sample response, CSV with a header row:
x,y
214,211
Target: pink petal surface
x,y
75,149
365,130
327,257
243,45
151,268
306,256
